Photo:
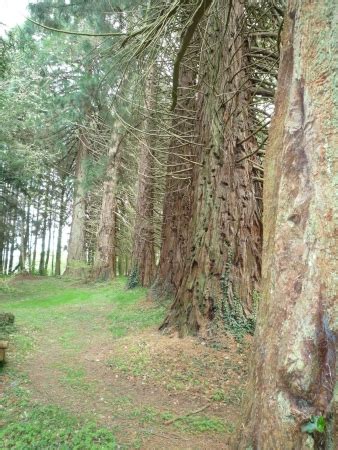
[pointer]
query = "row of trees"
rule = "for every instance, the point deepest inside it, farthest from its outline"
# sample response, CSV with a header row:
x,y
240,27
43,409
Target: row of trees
x,y
144,125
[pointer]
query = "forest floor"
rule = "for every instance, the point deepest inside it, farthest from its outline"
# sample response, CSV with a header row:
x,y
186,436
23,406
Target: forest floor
x,y
87,368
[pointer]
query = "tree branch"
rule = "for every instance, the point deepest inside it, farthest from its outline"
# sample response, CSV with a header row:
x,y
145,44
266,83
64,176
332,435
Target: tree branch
x,y
196,18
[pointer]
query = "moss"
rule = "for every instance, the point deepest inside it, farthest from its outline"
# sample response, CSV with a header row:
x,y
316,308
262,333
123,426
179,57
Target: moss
x,y
230,310
133,278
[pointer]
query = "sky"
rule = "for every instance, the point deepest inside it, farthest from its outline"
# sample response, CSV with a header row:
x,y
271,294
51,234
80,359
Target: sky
x,y
12,12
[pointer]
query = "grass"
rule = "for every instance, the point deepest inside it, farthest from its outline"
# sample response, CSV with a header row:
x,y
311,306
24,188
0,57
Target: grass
x,y
56,322
37,305
30,426
199,424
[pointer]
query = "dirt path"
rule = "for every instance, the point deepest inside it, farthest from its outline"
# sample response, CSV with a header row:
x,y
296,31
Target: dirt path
x,y
136,383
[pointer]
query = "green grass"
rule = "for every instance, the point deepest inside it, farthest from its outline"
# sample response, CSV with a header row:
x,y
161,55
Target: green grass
x,y
203,424
37,302
28,425
43,303
199,424
129,317
50,427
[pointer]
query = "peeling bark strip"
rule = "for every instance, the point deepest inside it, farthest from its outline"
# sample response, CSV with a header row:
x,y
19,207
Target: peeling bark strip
x,y
222,267
294,362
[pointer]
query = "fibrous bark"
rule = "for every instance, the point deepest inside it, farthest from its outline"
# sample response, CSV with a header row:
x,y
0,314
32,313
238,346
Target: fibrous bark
x,y
143,251
105,254
76,248
222,270
294,356
179,188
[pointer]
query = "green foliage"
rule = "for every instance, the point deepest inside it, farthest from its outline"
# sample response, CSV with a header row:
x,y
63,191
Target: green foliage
x,y
218,396
49,427
203,424
231,312
130,317
133,278
317,423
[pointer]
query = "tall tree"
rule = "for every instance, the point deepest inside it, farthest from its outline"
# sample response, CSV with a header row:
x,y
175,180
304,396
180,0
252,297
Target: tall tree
x,y
76,247
105,252
293,379
143,252
179,188
222,270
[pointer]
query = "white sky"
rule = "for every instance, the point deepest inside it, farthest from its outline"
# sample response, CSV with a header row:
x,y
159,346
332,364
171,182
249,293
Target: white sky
x,y
12,12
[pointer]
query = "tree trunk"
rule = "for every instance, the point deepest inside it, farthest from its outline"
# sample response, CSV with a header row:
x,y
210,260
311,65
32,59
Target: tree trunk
x,y
294,355
25,220
222,271
105,254
13,239
76,260
143,252
50,223
179,189
62,214
43,235
36,232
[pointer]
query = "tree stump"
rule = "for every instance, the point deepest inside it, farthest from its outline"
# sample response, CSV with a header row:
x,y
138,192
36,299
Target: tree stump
x,y
3,347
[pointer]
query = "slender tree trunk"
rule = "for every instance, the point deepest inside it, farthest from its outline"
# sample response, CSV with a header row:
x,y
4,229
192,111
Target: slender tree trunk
x,y
222,270
76,260
143,252
179,190
6,255
50,223
13,239
62,213
294,355
43,234
36,232
105,254
3,227
25,220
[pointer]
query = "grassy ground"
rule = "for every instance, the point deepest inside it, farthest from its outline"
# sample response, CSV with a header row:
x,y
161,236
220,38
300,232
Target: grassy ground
x,y
88,369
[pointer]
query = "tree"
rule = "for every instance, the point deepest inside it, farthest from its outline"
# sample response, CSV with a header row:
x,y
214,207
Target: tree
x,y
294,369
105,252
177,203
143,252
222,270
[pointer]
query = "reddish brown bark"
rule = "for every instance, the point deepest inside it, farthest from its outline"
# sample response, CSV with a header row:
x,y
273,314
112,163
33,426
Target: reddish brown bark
x,y
294,360
143,252
179,190
76,248
222,270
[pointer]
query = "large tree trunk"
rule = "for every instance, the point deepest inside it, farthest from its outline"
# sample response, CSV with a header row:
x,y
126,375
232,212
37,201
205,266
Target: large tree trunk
x,y
294,360
143,252
179,190
222,270
76,248
105,254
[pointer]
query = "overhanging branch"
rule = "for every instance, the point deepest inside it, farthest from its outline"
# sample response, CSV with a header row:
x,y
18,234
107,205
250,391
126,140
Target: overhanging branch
x,y
196,18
